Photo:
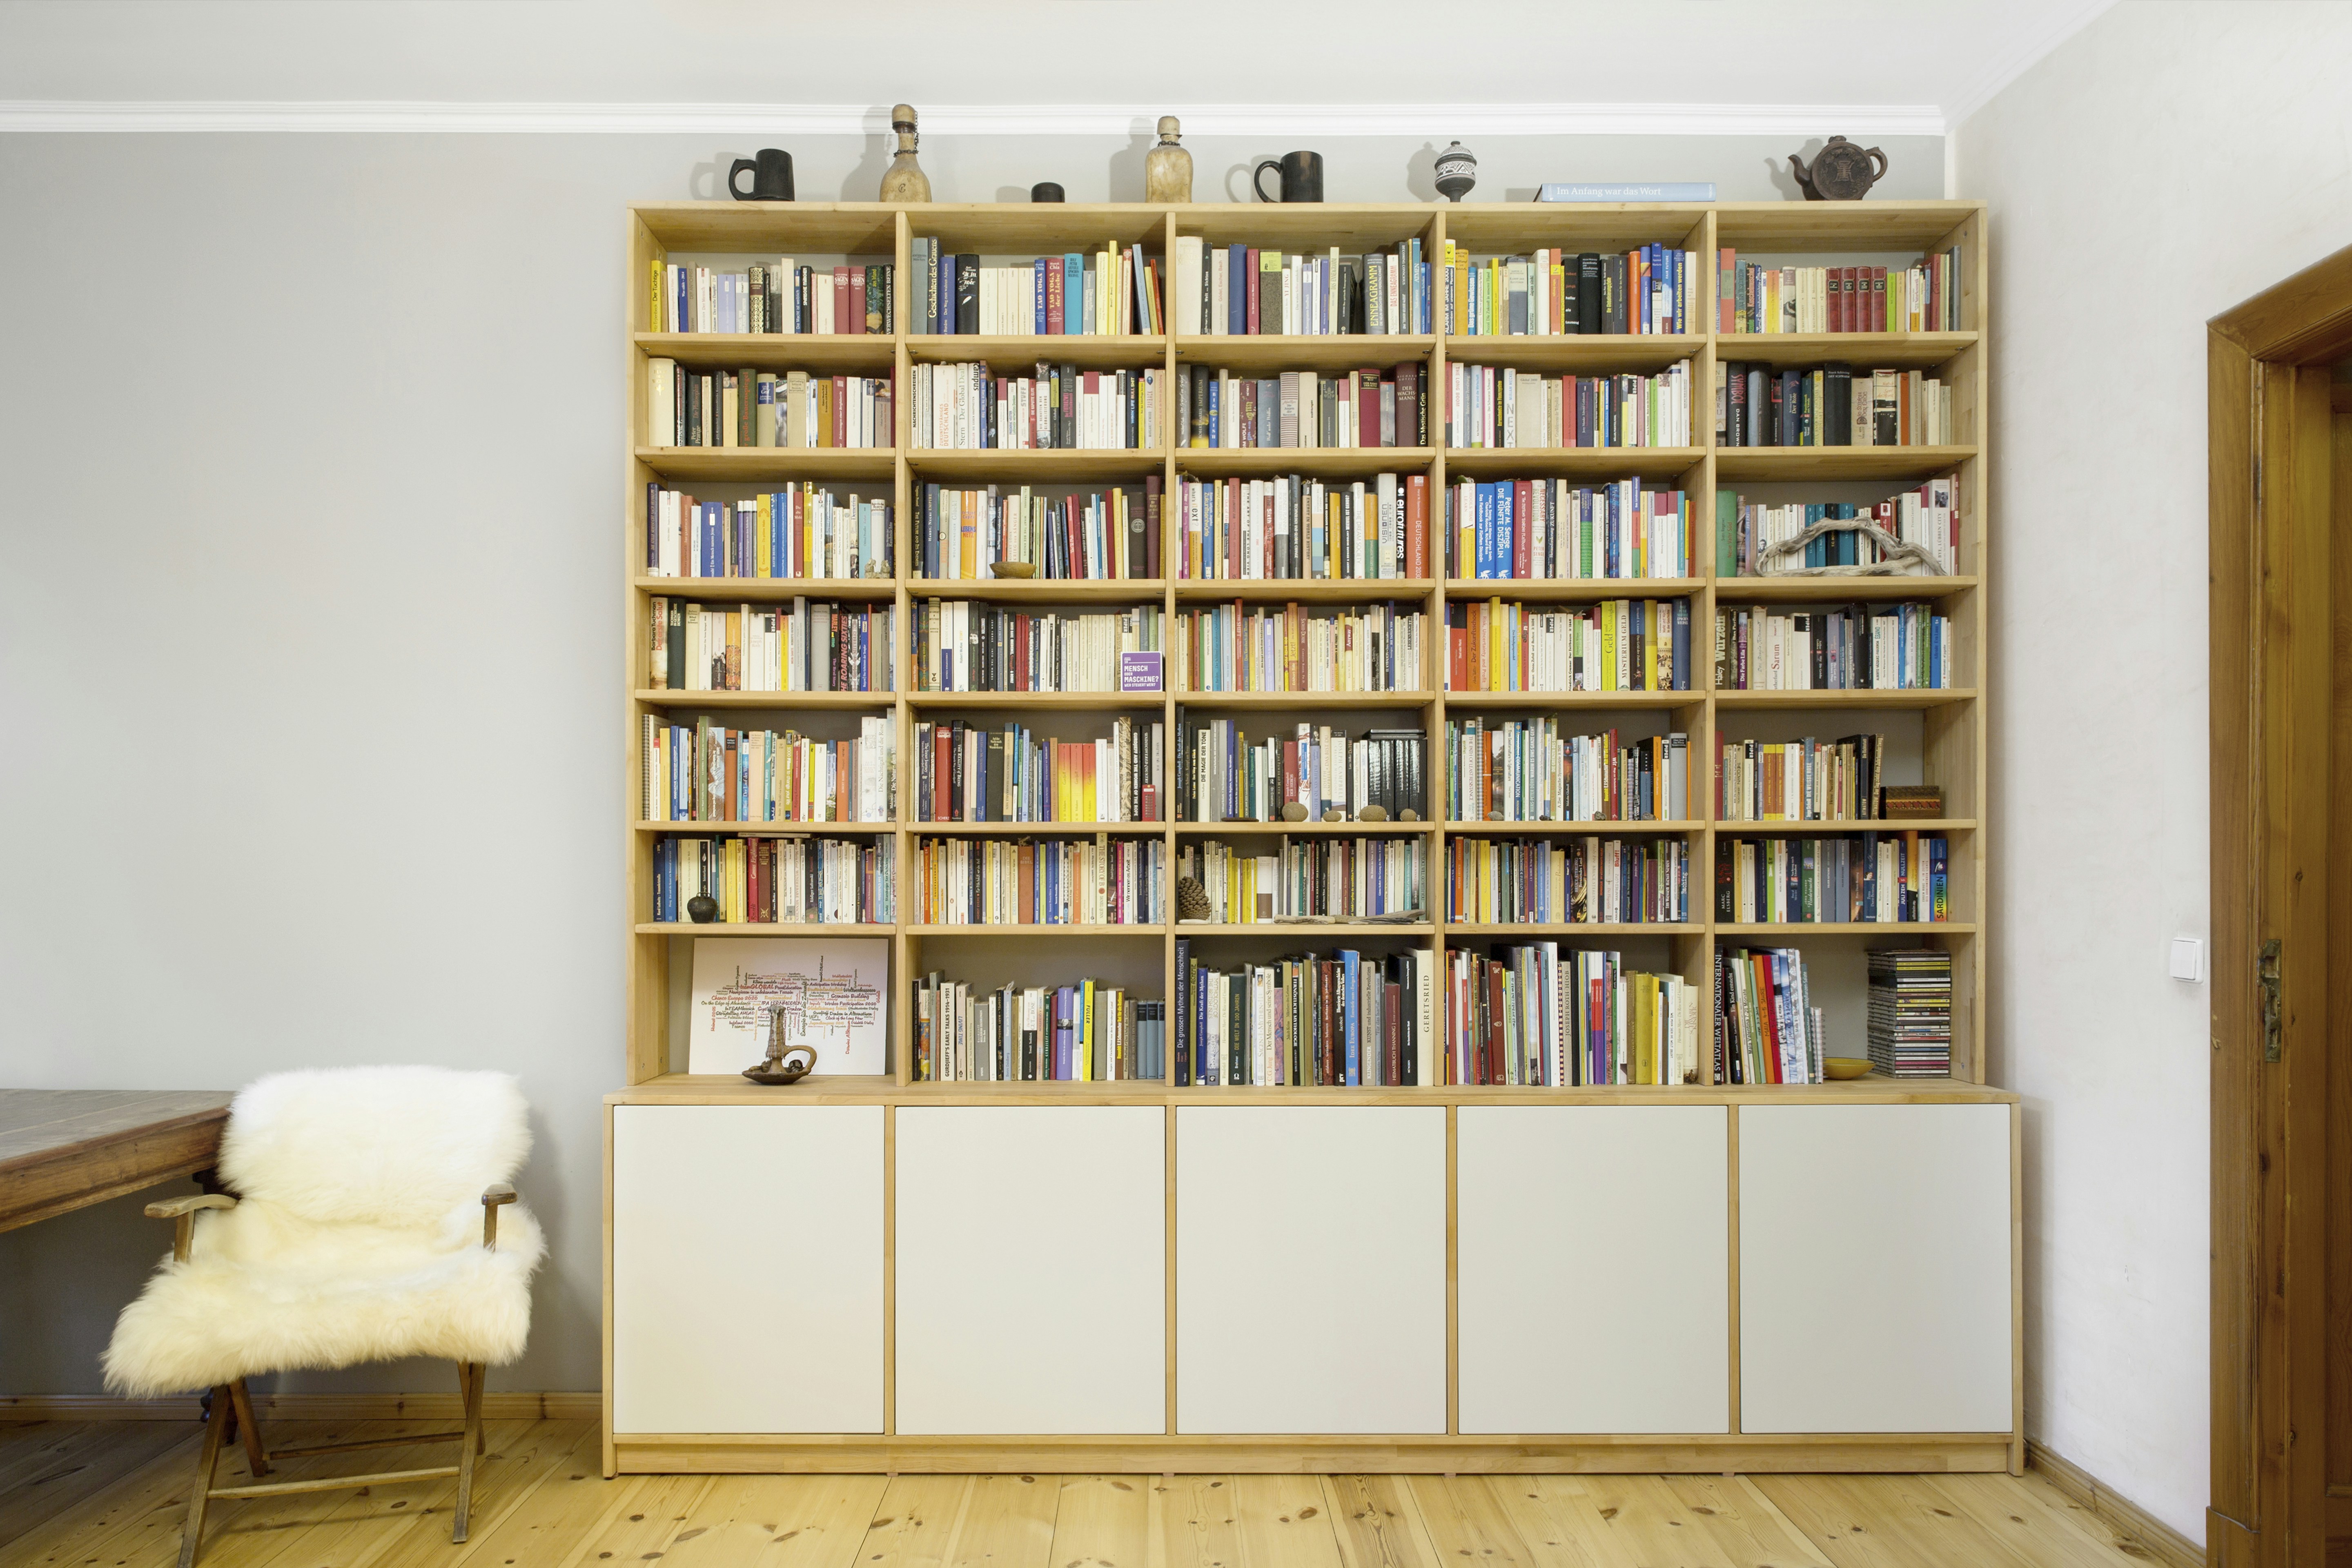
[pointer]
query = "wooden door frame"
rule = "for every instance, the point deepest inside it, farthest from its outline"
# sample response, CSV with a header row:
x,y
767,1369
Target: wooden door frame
x,y
2270,650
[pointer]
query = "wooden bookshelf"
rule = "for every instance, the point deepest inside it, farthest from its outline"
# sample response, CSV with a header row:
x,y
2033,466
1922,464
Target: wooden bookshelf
x,y
1952,724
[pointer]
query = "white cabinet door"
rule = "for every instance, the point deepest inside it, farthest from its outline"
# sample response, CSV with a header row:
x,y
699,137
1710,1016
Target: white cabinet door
x,y
1032,1284
1874,1269
747,1269
1310,1268
1593,1258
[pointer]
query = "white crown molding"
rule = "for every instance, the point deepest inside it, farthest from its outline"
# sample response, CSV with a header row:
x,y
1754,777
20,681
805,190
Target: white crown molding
x,y
1448,119
2025,49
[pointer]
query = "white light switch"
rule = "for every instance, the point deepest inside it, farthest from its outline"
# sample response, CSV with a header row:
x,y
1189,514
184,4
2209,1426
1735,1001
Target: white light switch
x,y
2187,958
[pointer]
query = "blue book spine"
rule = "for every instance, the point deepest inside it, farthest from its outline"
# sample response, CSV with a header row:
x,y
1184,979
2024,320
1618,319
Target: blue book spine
x,y
685,299
681,760
653,525
1484,525
1355,1065
1237,289
1681,645
1506,529
1074,293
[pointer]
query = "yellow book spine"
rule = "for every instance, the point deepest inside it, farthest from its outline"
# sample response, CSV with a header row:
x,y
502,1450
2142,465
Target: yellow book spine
x,y
653,322
766,555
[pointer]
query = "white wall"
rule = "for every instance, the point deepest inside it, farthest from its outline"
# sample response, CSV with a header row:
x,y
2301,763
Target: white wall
x,y
2162,165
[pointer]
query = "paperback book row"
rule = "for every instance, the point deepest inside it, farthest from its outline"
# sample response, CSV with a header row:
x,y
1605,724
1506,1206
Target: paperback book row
x,y
1758,297
1540,1016
1239,647
804,530
966,773
1582,881
803,646
1758,405
1758,540
1800,781
790,881
1496,407
1240,290
1910,1012
1872,876
1767,1028
1223,775
1527,770
962,645
1088,1033
1344,1019
1533,529
1610,644
961,406
962,535
1549,293
1292,527
708,773
781,296
1039,882
1334,878
686,407
1107,291
1848,647
1216,409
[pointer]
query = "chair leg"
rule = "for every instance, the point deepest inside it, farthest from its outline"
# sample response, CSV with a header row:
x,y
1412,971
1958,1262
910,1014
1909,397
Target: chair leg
x,y
192,1531
470,1444
257,1452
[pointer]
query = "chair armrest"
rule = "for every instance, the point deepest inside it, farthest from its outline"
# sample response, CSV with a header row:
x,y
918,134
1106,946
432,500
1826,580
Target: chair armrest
x,y
494,1194
184,1211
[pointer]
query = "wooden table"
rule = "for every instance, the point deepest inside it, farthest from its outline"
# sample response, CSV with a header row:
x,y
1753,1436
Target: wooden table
x,y
62,1149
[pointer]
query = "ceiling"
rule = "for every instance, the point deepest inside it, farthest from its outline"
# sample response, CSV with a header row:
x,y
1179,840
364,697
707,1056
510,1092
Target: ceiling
x,y
1943,56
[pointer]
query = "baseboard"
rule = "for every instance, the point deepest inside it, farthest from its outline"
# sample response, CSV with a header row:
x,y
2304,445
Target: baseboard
x,y
2129,1521
307,1407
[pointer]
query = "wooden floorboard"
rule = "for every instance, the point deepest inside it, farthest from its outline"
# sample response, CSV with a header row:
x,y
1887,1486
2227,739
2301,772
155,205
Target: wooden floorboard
x,y
113,1494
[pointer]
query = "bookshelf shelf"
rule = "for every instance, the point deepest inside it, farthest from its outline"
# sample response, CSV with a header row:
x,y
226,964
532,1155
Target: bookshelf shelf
x,y
1951,725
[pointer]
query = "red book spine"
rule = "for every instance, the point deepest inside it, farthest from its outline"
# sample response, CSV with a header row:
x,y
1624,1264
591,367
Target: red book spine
x,y
1367,409
941,762
1457,657
841,300
1250,287
1876,310
1151,526
1289,773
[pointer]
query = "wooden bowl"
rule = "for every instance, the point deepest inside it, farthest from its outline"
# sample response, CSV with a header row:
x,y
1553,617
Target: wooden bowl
x,y
1842,1068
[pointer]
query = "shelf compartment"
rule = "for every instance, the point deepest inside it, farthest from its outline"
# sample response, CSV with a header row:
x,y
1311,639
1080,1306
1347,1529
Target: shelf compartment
x,y
752,464
1847,928
1774,465
770,928
1302,590
1863,350
1836,590
770,590
1087,350
1810,699
1035,465
1034,829
1825,228
1000,231
1573,698
1102,699
1460,829
667,698
844,352
1942,825
1316,462
1277,353
1303,829
1153,931
1572,462
769,829
1569,590
1304,699
1293,933
808,228
1585,352
1564,927
1025,590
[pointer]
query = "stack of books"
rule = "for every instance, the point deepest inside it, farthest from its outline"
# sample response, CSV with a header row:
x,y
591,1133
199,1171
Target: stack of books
x,y
1767,1028
1551,1017
1911,1012
1549,527
1091,1032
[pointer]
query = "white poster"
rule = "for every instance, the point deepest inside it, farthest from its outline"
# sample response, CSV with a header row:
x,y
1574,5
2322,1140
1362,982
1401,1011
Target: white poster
x,y
835,996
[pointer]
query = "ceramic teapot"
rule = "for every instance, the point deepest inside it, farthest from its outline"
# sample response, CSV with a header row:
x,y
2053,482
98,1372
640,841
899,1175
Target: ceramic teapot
x,y
1841,171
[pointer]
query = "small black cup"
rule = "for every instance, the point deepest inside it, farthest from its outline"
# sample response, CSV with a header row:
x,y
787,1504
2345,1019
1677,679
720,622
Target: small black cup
x,y
1045,191
772,176
1301,174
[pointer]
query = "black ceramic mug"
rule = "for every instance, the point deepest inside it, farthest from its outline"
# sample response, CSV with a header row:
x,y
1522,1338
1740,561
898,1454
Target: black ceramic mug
x,y
1301,174
772,176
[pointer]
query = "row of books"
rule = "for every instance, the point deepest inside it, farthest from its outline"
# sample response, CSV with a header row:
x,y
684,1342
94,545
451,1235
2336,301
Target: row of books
x,y
773,296
1527,770
1536,1014
1849,647
1241,647
1766,1029
962,534
1239,291
962,645
1321,878
1651,290
1223,775
1346,1019
1910,1012
1039,882
1608,645
1760,406
802,531
1759,539
1874,877
1584,879
803,646
1091,1032
1294,527
967,773
687,407
1529,528
1497,406
1800,781
1758,297
962,407
790,881
1302,408
708,773
1107,291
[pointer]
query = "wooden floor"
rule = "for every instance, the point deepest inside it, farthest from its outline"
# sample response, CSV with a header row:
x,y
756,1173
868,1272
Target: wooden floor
x,y
110,1494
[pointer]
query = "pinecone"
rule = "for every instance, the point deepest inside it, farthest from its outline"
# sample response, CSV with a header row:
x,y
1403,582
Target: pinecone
x,y
1192,899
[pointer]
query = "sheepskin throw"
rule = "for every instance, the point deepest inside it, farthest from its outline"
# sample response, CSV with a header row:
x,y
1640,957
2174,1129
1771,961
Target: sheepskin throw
x,y
357,1235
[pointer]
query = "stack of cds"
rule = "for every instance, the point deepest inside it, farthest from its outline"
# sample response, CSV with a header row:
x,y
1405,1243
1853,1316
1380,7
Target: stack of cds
x,y
1911,1012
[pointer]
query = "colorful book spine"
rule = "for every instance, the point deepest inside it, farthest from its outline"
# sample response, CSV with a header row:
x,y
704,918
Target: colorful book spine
x,y
775,881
